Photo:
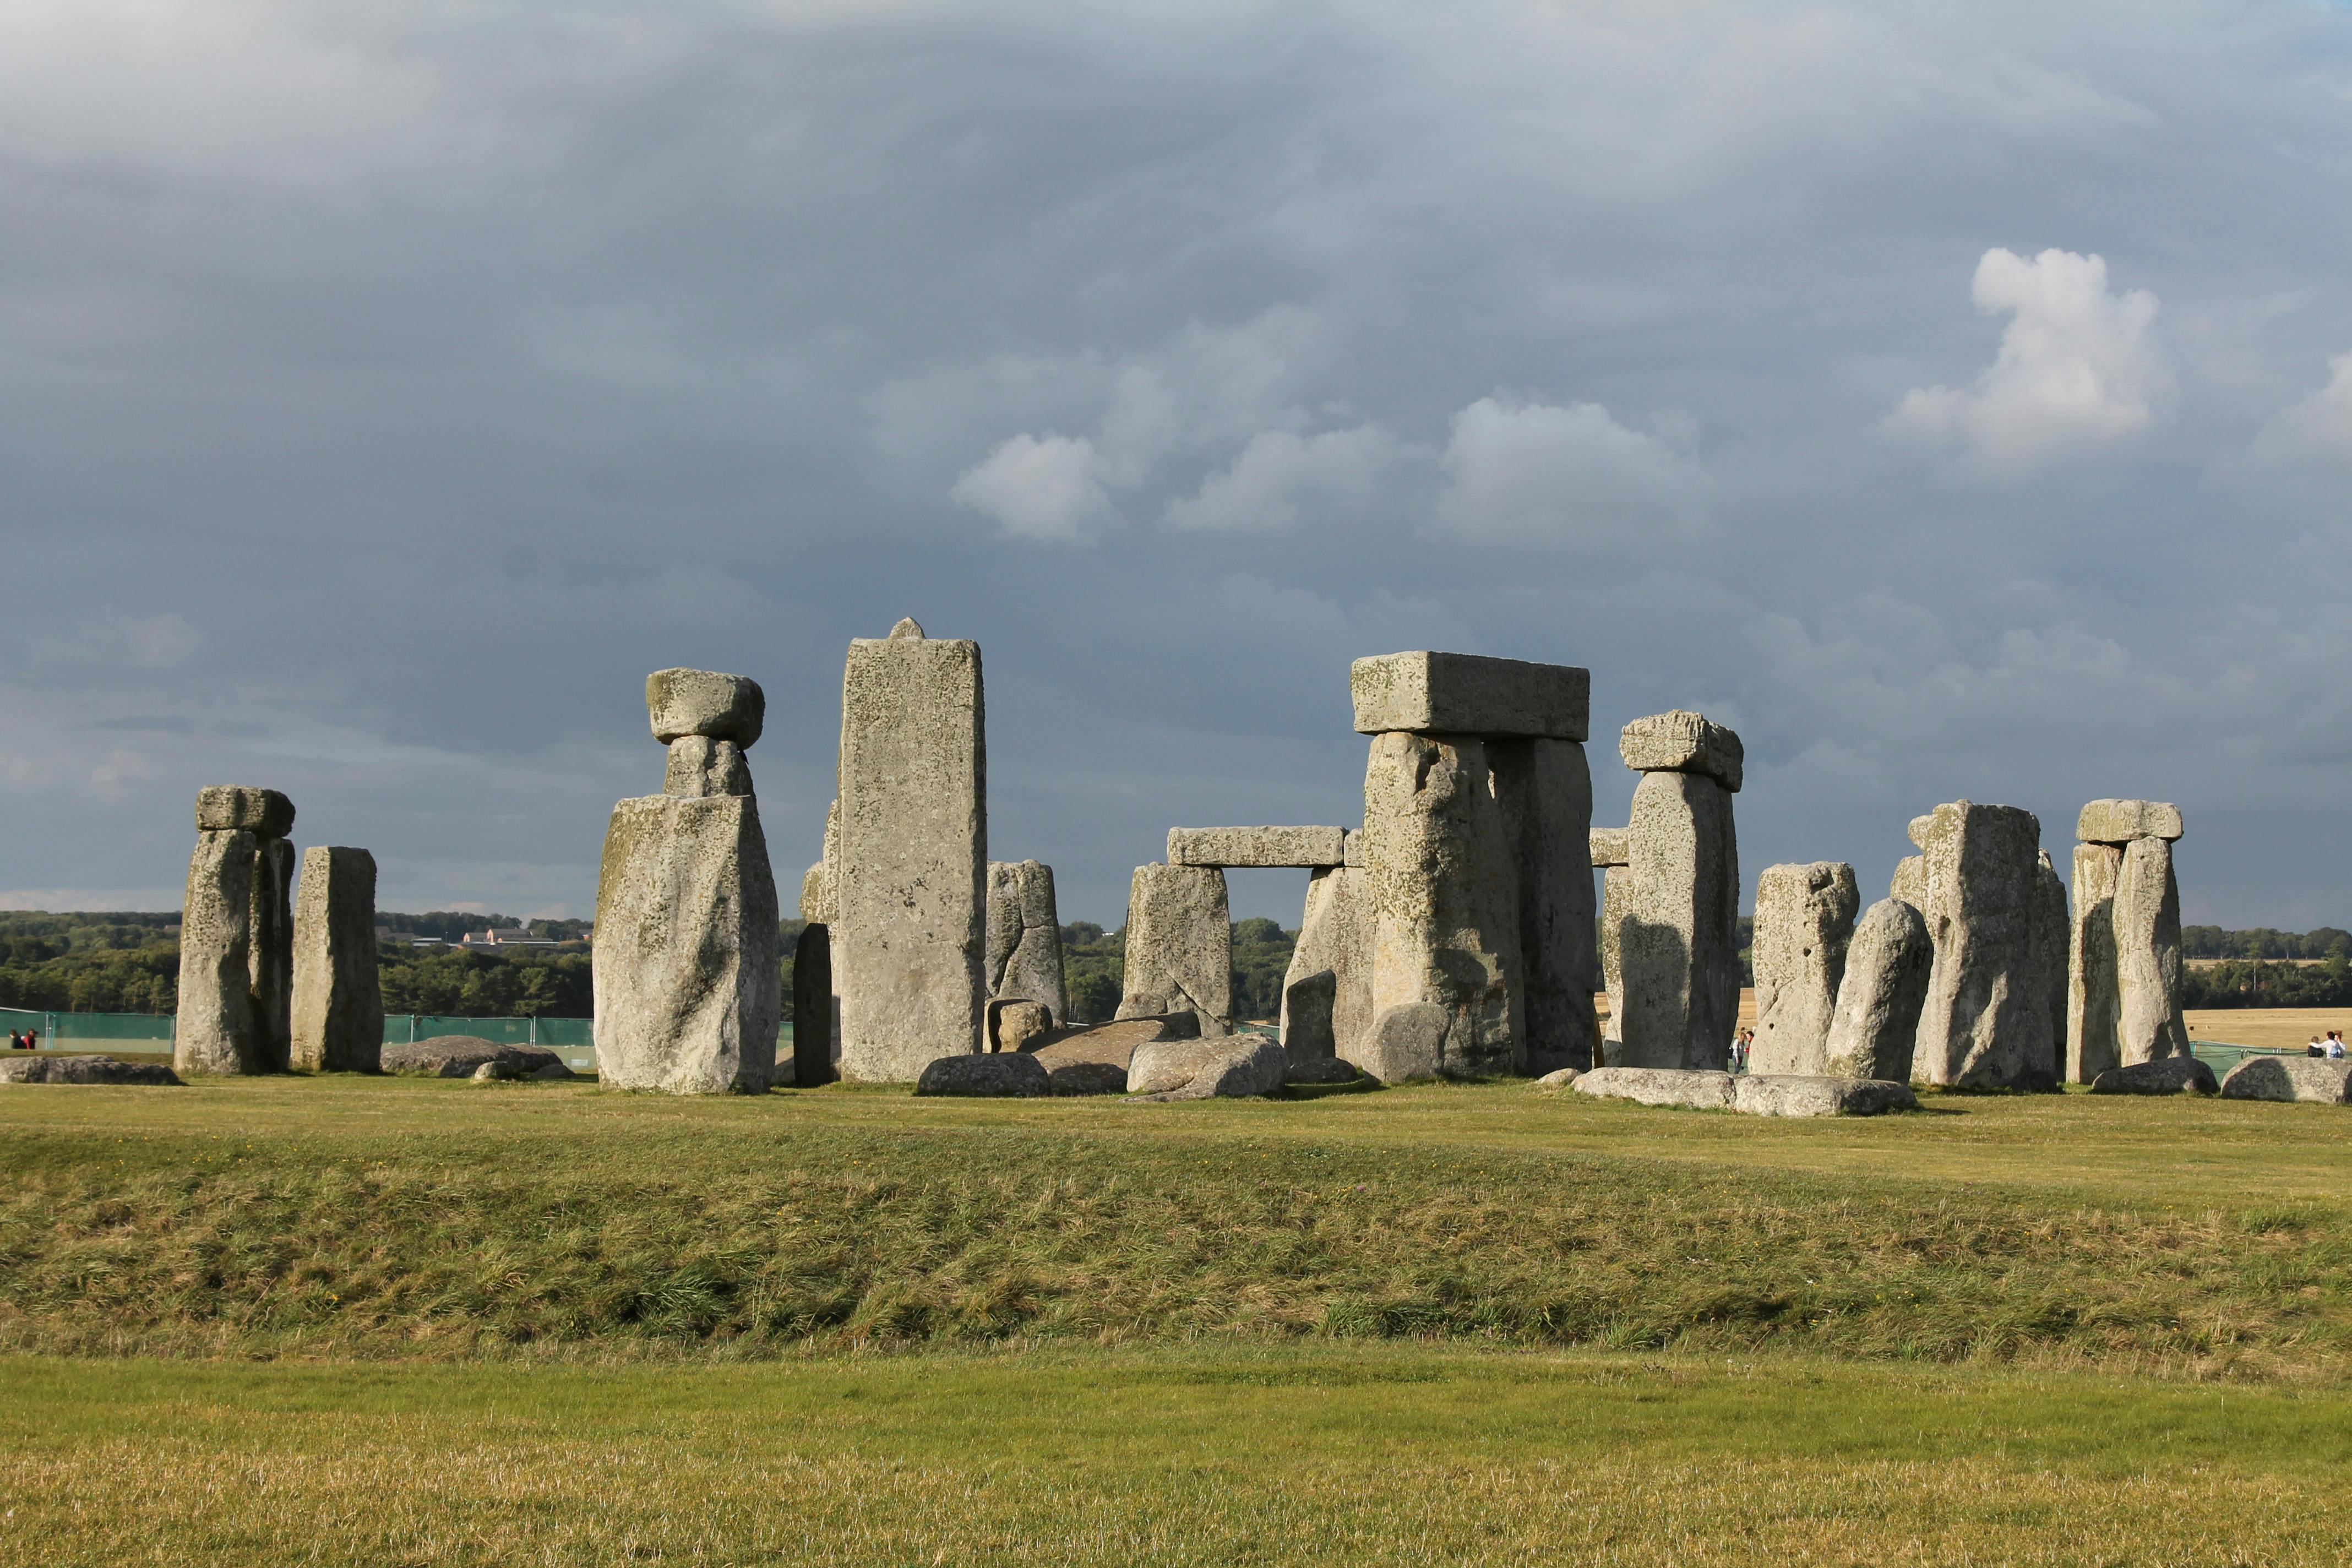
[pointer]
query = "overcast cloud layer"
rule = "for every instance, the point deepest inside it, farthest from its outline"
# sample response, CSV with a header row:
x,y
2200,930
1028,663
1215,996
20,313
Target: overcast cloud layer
x,y
1955,399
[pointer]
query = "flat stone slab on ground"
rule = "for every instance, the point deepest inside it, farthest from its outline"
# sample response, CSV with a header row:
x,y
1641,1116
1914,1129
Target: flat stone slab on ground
x,y
2166,1075
461,1056
996,1075
1094,1060
1230,1067
1304,848
83,1069
1694,1086
1321,1070
2312,1080
1558,1078
1470,694
1815,1094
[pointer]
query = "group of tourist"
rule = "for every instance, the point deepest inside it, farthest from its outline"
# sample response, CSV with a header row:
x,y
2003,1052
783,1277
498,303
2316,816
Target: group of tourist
x,y
2330,1044
28,1040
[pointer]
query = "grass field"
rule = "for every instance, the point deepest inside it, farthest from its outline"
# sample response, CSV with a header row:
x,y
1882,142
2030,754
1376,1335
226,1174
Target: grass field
x,y
387,1321
2284,1026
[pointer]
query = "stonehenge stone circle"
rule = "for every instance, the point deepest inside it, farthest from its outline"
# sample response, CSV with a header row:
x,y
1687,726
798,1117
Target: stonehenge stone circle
x,y
1469,694
1804,919
1307,848
1877,1023
1334,937
909,942
1446,910
681,703
1544,789
814,1007
2123,998
1987,1020
2121,821
338,1004
214,1031
1679,934
1179,946
1024,936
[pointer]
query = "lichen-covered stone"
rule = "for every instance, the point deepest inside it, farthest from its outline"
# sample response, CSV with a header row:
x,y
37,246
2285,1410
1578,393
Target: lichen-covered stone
x,y
1909,883
465,1055
701,766
705,703
1607,846
214,1031
1876,1022
1799,1094
1616,898
1683,742
2051,937
2149,1022
2313,1080
1231,1066
1469,694
1692,1088
1544,790
270,968
1179,946
1986,1021
1304,848
1010,1075
226,809
1025,937
820,900
2167,1075
1804,921
337,1007
1678,936
1307,1004
2122,821
2094,1044
83,1069
1017,1024
1334,937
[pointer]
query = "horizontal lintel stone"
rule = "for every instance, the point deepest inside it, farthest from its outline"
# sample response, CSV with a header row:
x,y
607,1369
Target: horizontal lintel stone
x,y
2121,821
1682,743
1469,694
1311,847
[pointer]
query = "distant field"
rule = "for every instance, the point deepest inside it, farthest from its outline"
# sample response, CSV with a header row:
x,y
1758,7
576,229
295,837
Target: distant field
x,y
2288,1027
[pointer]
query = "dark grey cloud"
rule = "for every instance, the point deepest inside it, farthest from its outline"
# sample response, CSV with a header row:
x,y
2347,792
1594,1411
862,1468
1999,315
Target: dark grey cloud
x,y
385,391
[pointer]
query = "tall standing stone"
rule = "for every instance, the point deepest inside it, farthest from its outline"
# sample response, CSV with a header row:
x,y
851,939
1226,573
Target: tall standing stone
x,y
1024,936
1179,947
2123,991
1334,938
1678,940
1804,921
1610,857
214,1032
1986,1023
271,972
2094,1043
338,1006
1445,907
910,949
812,1008
1876,1026
2148,1023
2051,937
1544,788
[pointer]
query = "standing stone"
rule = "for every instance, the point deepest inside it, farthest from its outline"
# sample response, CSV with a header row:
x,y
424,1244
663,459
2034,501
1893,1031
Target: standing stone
x,y
1804,921
338,1006
1877,1023
820,901
1544,789
701,766
272,954
215,1030
1445,909
1024,936
1986,1023
2051,937
1610,854
1307,1005
910,948
1909,882
1179,947
2148,1023
2094,1043
812,1008
1334,938
1678,939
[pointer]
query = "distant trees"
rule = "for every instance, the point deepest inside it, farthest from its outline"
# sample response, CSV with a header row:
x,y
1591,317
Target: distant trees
x,y
1094,964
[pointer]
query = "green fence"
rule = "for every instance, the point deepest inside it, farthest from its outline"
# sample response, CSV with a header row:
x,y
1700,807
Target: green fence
x,y
93,1031
2221,1057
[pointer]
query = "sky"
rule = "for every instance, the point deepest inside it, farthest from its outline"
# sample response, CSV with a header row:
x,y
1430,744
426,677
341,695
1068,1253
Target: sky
x,y
1955,399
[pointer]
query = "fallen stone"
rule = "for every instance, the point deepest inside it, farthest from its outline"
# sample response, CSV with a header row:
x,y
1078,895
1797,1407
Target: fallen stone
x,y
1306,848
1805,1094
227,809
215,1032
705,703
494,1072
994,1076
1986,1023
464,1056
1543,790
1024,958
1607,846
1876,1022
270,959
1405,1042
83,1069
2166,1075
1678,932
2122,821
553,1072
1804,922
2312,1080
1232,1067
1558,1078
1013,1026
1179,946
1334,937
1095,1060
338,1006
701,766
814,1007
1469,694
1683,742
1322,1070
1697,1089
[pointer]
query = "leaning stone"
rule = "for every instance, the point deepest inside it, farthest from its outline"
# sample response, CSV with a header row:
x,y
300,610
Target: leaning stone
x,y
1023,959
1468,694
701,766
1008,1076
1014,1025
1307,1004
2093,1040
1306,848
270,968
337,994
2312,1080
1801,1094
1607,846
687,979
1877,1023
83,1069
1405,1042
1544,791
1986,1022
1804,921
1179,946
2122,821
1334,937
1233,1066
215,1030
910,948
226,809
2166,1075
1446,913
1678,936
705,703
464,1056
1697,1090
813,1008
1322,1070
2149,1021
1683,742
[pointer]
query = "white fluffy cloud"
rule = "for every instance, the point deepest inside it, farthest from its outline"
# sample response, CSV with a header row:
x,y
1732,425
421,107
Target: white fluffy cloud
x,y
2320,426
2079,368
1532,473
1045,489
1264,485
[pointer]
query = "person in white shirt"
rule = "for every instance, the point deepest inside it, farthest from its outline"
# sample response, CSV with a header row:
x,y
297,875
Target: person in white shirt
x,y
2336,1045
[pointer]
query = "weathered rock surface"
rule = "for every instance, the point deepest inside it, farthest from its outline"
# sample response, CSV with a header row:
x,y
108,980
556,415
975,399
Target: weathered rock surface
x,y
1543,792
1986,1021
463,1055
270,959
1351,848
1334,937
2313,1079
1909,882
1024,958
2052,935
1307,848
909,944
1608,846
1307,1004
701,766
1784,1094
1322,1070
1678,936
1699,1089
2093,1042
226,809
1558,1078
215,1032
83,1069
1683,742
338,1006
2149,1021
813,1008
2122,821
1179,946
1407,1041
1008,1075
1446,910
1017,1024
1876,1022
1468,694
688,990
1616,898
2169,1075
1095,1060
820,901
1233,1066
705,703
1804,921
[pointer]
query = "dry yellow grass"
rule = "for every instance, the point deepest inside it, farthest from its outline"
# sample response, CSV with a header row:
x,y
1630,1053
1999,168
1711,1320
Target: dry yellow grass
x,y
2284,1026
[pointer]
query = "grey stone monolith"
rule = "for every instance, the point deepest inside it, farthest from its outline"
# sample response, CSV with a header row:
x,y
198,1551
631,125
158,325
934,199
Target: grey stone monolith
x,y
2149,1022
2051,937
688,986
2093,1046
910,944
271,970
1986,1023
1306,848
813,1007
1024,936
1179,947
338,1008
819,901
1804,921
215,1030
1445,907
1876,1026
1334,937
1678,938
1544,789
1431,693
1307,1005
225,808
1616,898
